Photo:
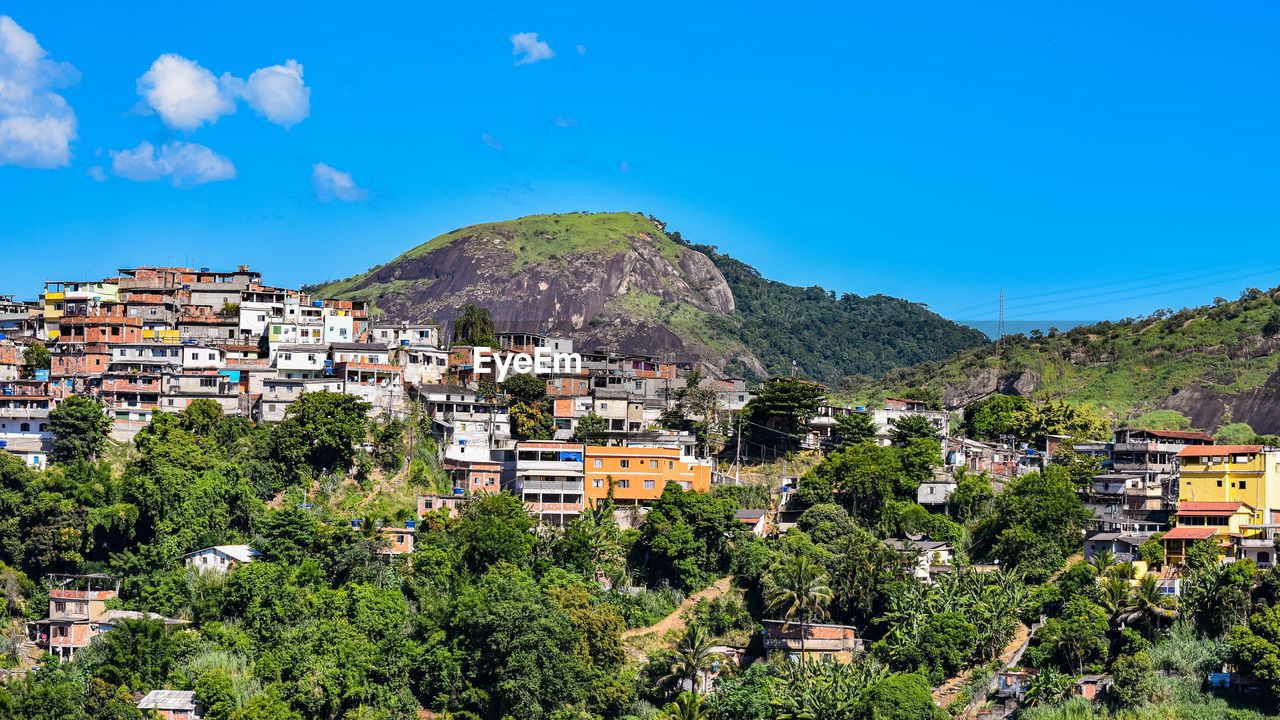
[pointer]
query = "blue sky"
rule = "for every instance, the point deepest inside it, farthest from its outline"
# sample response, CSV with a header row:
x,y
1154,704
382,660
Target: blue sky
x,y
1095,161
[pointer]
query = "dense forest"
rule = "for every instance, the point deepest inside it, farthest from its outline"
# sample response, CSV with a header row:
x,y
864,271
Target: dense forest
x,y
830,337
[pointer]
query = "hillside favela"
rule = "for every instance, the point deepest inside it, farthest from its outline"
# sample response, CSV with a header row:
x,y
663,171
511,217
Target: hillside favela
x,y
840,362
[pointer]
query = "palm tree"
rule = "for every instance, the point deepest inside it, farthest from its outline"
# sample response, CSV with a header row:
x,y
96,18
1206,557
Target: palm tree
x,y
686,707
803,592
692,658
1115,596
601,532
473,325
1146,601
1102,562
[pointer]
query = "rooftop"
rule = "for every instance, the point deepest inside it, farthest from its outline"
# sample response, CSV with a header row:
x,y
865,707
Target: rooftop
x,y
1216,450
1190,533
169,700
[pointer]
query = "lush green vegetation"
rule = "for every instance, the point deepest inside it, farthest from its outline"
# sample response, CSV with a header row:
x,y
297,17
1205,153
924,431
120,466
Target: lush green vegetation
x,y
830,337
1124,368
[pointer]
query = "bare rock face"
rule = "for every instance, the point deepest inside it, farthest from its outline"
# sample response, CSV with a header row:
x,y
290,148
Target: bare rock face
x,y
1025,383
590,295
977,386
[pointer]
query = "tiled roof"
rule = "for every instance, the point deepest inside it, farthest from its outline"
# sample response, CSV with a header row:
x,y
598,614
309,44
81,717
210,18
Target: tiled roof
x,y
1202,507
1180,434
1211,450
1189,533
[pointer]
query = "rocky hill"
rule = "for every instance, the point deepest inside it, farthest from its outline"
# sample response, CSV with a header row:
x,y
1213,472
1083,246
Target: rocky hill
x,y
619,281
1216,365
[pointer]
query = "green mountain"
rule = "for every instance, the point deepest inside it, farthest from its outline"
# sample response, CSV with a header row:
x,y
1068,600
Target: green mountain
x,y
1216,365
619,281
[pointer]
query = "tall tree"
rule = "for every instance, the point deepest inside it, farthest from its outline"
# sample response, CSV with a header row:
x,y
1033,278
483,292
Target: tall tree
x,y
329,425
692,658
853,429
80,426
775,418
913,427
474,326
803,594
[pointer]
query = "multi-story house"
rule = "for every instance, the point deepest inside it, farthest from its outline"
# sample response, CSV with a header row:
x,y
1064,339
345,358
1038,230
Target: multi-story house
x,y
405,334
24,420
279,393
1223,521
1235,473
303,361
72,297
638,475
549,480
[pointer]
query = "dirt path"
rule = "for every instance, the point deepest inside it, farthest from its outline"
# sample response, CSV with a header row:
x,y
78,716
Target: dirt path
x,y
672,621
948,690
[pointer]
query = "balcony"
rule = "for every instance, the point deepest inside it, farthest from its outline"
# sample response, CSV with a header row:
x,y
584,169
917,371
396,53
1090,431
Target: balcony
x,y
24,413
529,485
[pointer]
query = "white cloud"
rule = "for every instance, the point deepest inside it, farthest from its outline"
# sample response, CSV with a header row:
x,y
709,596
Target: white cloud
x,y
531,47
582,49
183,164
491,141
330,183
279,93
186,95
97,174
625,167
36,125
566,122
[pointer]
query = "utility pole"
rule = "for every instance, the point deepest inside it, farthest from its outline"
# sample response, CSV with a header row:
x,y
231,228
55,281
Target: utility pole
x,y
737,456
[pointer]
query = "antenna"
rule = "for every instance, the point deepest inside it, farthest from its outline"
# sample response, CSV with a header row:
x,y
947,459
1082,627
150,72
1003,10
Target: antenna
x,y
1000,323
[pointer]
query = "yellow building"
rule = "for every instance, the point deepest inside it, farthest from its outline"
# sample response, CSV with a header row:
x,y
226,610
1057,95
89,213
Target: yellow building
x,y
1198,520
640,474
1232,473
73,298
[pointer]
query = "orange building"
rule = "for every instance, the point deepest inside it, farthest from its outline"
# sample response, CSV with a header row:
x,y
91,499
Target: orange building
x,y
640,474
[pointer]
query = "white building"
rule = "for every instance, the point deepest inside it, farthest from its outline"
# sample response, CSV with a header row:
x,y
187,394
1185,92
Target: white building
x,y
220,559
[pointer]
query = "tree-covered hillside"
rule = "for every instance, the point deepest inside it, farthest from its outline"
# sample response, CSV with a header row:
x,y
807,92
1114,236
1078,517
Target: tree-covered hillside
x,y
1214,364
830,337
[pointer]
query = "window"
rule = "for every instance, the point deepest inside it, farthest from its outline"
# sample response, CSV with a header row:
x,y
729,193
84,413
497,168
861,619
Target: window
x,y
653,464
648,484
685,484
25,427
604,406
1219,483
597,483
624,463
598,462
1242,484
624,484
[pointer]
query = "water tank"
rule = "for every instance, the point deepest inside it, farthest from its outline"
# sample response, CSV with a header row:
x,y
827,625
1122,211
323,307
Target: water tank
x,y
410,523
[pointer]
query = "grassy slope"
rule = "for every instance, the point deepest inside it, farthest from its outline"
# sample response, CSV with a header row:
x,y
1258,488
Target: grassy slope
x,y
1126,368
534,239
